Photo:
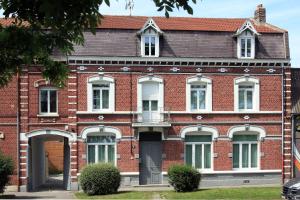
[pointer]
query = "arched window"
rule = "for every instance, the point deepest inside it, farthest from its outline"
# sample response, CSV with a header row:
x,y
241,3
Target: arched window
x,y
246,94
246,146
101,93
198,145
198,94
101,143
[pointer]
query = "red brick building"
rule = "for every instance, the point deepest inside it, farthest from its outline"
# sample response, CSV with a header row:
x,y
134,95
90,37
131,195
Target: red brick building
x,y
145,93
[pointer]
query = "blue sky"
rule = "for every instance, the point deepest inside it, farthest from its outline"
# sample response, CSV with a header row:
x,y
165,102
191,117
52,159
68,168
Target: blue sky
x,y
282,13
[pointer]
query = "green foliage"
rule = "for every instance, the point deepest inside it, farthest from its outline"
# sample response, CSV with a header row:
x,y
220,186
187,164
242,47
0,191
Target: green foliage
x,y
99,179
6,169
184,178
44,26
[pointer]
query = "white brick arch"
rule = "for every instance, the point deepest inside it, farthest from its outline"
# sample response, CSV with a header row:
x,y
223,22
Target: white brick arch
x,y
71,136
246,130
199,130
98,130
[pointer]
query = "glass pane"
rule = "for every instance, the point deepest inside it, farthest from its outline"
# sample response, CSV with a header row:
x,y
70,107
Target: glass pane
x,y
244,138
243,48
194,100
44,101
105,97
153,46
201,99
236,156
53,99
101,153
188,154
241,99
248,47
111,153
147,46
207,156
198,156
146,105
245,155
91,154
253,155
101,139
249,99
198,138
154,105
96,99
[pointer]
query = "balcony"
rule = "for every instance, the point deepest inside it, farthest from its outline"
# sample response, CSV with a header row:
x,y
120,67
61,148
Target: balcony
x,y
155,118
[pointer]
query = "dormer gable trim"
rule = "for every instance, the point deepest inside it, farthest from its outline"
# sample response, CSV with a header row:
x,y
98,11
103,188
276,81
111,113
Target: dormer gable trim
x,y
246,26
150,23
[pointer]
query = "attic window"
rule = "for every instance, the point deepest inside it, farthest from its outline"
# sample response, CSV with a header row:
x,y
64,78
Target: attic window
x,y
150,39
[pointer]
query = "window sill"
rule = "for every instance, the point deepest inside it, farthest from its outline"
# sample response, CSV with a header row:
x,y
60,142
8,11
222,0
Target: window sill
x,y
48,115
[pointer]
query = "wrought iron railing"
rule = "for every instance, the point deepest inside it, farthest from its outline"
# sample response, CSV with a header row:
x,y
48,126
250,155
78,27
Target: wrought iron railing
x,y
159,116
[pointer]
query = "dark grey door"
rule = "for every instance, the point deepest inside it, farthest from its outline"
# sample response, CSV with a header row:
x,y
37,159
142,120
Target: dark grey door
x,y
150,162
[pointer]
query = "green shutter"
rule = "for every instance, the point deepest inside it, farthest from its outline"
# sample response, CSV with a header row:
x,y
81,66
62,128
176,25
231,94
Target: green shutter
x,y
236,155
188,154
245,155
111,153
207,156
91,154
198,138
101,153
241,138
198,156
253,155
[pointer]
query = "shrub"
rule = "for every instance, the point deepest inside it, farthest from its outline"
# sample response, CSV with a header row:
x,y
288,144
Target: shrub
x,y
6,169
100,178
184,178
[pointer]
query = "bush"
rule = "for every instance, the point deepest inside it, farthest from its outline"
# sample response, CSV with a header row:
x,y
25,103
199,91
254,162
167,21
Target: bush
x,y
6,169
184,178
100,178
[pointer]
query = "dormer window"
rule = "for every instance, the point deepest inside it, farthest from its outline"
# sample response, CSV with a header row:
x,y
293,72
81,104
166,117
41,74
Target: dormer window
x,y
246,45
246,41
150,39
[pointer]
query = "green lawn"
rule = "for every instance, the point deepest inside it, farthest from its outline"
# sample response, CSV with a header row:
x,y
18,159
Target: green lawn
x,y
262,193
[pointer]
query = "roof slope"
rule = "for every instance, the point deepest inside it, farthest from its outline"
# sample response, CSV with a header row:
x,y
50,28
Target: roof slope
x,y
178,23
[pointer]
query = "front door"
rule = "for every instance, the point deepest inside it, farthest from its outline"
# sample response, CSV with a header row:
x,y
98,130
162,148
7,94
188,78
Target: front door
x,y
150,159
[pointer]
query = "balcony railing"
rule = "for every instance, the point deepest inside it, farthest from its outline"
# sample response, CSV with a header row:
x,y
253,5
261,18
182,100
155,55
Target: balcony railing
x,y
159,116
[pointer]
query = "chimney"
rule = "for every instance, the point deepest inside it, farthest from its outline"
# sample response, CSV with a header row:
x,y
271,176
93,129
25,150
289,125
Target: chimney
x,y
260,14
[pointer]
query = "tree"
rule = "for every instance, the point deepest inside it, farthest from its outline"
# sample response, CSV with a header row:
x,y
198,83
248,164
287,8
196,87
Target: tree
x,y
41,26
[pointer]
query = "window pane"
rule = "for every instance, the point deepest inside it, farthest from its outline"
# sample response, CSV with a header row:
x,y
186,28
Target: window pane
x,y
245,155
249,99
236,155
194,100
241,99
154,105
96,99
153,46
253,155
101,153
243,48
146,106
44,101
147,46
201,99
207,156
111,153
105,97
91,154
188,154
248,48
53,99
198,156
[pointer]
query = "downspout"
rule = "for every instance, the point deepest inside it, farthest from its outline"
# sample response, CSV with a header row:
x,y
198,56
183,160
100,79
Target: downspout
x,y
18,130
292,146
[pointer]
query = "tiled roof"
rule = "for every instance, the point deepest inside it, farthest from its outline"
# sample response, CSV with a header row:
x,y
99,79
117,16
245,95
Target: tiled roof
x,y
177,23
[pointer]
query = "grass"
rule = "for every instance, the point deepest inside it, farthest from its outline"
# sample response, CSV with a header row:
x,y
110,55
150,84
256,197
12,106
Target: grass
x,y
255,193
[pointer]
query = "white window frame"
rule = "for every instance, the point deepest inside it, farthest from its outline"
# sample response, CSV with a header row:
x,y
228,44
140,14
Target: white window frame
x,y
156,36
240,143
202,156
101,89
101,79
246,38
48,89
247,80
199,80
105,151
